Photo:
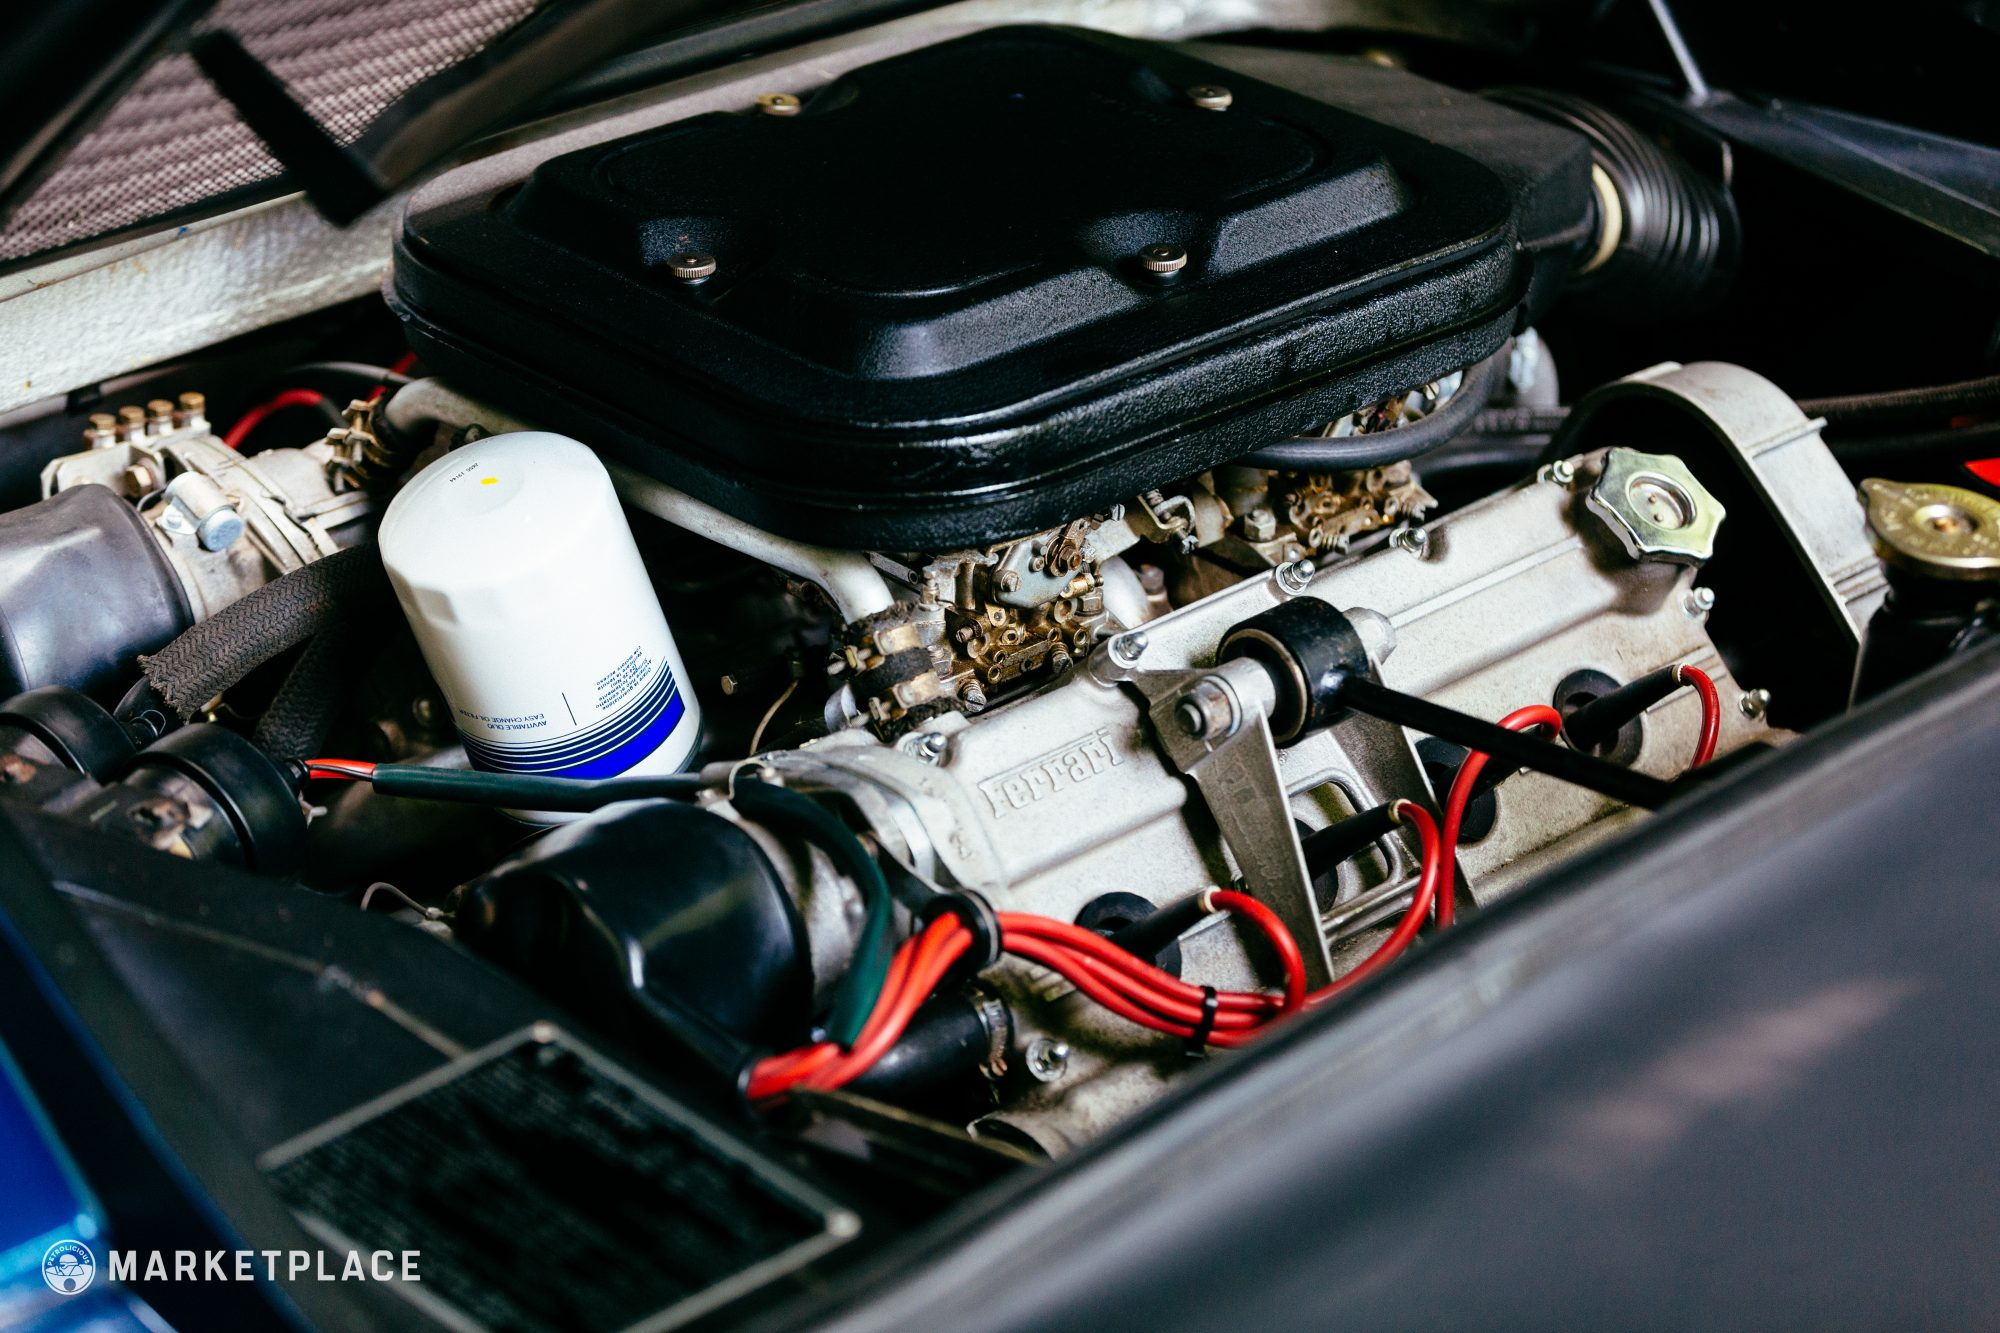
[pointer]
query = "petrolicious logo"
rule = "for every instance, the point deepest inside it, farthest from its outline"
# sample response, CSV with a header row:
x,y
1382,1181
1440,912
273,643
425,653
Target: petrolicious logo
x,y
68,1266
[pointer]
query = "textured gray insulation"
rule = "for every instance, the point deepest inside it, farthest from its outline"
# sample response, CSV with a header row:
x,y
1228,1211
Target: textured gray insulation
x,y
172,143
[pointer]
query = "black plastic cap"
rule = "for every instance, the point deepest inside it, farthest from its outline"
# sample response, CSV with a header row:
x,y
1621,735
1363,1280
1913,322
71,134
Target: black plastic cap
x,y
76,729
245,785
660,914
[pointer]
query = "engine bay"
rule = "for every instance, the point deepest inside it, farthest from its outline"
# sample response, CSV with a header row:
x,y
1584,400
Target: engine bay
x,y
888,609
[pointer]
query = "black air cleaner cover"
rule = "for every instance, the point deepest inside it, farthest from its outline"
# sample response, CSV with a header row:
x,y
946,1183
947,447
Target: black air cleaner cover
x,y
929,326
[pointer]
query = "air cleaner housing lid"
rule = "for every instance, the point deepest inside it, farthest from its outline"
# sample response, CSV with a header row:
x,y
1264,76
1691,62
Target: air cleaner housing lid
x,y
934,317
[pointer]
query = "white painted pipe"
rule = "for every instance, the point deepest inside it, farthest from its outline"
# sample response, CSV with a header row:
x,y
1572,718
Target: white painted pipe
x,y
856,586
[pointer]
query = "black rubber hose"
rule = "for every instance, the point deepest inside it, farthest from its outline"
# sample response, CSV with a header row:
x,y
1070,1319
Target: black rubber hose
x,y
1925,403
1679,239
229,645
1380,448
946,1043
1597,723
341,379
1503,454
1906,406
1348,690
295,724
302,711
1955,445
1946,446
1149,937
1328,847
1518,421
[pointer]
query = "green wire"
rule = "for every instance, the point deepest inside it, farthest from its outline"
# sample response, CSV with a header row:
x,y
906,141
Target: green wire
x,y
524,791
787,810
861,987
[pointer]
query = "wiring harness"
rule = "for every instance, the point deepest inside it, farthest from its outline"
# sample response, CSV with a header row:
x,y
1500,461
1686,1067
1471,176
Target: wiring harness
x,y
1142,993
883,990
337,376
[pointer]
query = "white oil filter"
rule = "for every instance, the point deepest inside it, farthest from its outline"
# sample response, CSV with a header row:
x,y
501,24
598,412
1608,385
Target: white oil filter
x,y
519,574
